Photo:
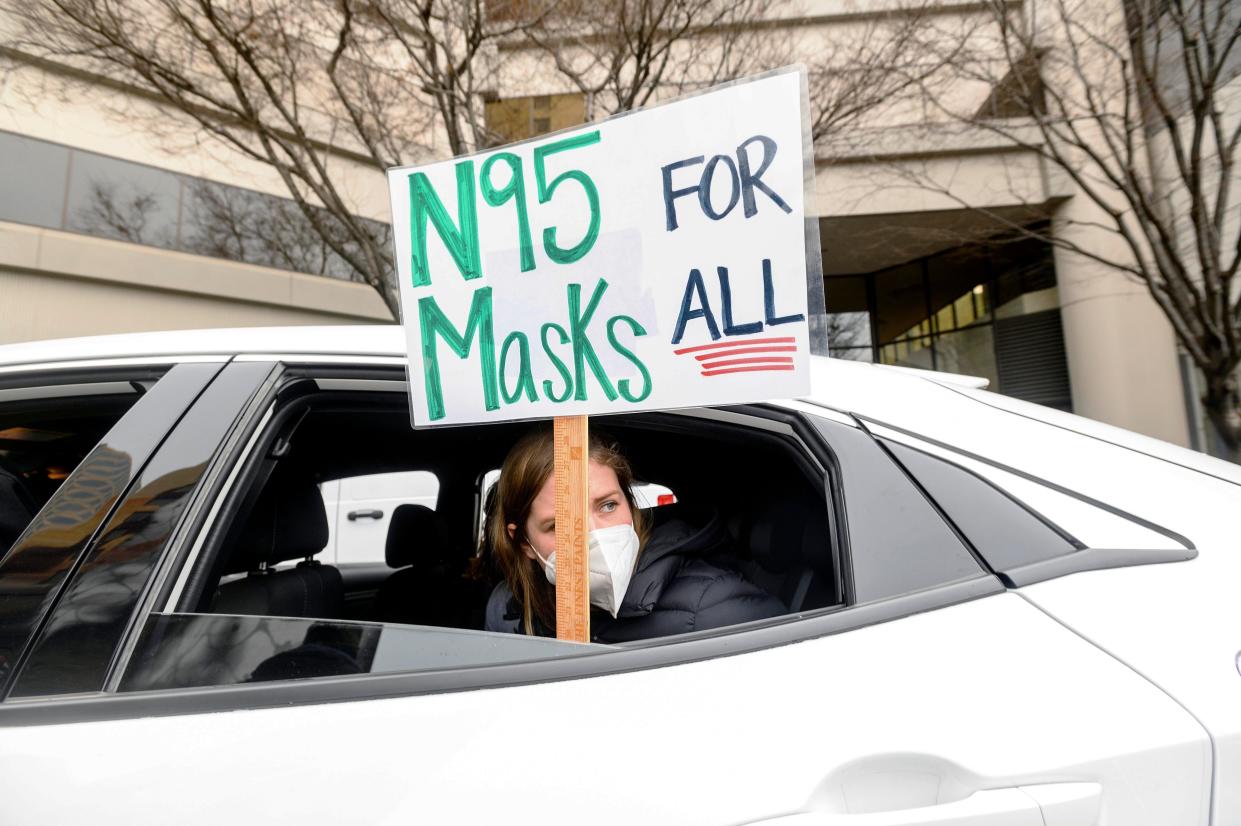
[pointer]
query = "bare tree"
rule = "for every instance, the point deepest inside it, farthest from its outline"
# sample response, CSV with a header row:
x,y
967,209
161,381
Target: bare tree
x,y
123,215
242,225
1135,102
296,85
626,54
863,67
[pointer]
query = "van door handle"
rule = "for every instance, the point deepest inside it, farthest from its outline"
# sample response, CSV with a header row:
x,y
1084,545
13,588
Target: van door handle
x,y
354,516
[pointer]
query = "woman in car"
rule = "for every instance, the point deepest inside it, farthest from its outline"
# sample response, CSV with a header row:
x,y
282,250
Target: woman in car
x,y
644,582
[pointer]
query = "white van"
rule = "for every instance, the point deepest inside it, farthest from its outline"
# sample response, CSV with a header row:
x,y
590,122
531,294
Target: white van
x,y
359,509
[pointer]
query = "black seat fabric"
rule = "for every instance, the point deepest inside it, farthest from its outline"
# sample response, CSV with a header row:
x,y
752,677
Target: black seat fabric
x,y
790,553
430,588
416,536
288,522
17,508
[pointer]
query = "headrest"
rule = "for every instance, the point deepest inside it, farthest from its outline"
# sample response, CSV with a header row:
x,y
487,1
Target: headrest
x,y
16,509
790,533
691,512
288,522
416,535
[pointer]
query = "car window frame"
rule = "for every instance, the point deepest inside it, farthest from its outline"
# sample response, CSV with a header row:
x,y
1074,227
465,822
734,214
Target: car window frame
x,y
1085,557
89,626
363,373
171,394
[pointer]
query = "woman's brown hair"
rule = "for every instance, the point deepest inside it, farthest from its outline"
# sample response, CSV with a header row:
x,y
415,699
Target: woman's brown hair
x,y
526,468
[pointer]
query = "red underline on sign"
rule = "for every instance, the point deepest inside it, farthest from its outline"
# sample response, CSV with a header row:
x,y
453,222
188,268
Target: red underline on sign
x,y
743,351
711,365
747,369
719,344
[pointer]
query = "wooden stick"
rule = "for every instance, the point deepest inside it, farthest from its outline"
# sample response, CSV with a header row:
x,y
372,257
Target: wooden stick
x,y
571,467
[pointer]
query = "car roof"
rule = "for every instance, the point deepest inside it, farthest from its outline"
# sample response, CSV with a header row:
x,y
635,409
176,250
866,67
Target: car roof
x,y
893,394
359,339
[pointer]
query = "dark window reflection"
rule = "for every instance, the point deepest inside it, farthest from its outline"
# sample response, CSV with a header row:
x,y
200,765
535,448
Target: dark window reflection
x,y
188,650
58,187
76,647
987,309
849,331
242,225
35,568
34,174
111,198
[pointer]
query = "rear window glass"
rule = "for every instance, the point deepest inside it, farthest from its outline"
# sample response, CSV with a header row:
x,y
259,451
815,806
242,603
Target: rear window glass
x,y
1005,533
45,432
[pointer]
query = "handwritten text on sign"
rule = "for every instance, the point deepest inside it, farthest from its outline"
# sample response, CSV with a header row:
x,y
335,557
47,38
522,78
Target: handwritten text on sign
x,y
655,260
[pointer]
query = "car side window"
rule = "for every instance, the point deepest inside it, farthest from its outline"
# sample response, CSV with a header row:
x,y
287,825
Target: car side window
x,y
272,592
898,542
236,568
194,650
1007,533
46,430
1026,528
243,589
101,499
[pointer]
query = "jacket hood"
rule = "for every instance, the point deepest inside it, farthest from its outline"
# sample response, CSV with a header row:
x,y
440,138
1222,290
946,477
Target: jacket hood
x,y
673,538
679,536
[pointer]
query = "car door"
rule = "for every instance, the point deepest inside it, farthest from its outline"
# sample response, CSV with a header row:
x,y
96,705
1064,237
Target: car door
x,y
934,695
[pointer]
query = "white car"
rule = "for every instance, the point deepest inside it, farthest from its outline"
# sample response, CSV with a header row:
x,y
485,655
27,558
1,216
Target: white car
x,y
997,614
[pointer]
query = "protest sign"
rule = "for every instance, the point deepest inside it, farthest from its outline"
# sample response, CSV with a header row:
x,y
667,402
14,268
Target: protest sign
x,y
653,260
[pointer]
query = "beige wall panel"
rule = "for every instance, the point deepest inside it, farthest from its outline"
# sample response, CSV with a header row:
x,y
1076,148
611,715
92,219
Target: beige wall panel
x,y
35,306
1121,349
996,179
51,253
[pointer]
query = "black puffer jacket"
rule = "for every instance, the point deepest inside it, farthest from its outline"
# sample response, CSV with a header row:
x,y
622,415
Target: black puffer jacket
x,y
673,591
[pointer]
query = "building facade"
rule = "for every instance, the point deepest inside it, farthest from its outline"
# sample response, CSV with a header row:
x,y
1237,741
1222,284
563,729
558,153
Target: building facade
x,y
106,228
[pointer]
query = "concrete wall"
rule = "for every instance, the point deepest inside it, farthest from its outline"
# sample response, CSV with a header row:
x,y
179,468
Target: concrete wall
x,y
59,284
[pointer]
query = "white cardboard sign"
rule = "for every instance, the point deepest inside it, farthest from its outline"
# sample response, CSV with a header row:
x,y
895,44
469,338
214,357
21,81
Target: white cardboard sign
x,y
653,260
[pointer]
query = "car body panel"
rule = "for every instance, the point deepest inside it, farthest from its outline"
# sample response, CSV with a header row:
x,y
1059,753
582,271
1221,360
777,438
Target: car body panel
x,y
977,693
1179,625
974,696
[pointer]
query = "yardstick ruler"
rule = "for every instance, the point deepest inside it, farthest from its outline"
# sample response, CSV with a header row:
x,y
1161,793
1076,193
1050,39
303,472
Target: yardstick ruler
x,y
571,463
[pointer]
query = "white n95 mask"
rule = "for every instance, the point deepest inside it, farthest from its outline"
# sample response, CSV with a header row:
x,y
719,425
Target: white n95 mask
x,y
613,553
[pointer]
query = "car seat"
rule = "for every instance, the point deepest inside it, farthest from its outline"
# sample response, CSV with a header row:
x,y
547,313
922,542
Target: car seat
x,y
17,508
430,586
288,522
790,552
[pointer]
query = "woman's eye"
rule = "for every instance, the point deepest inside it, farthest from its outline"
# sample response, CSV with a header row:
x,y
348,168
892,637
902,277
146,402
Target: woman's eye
x,y
608,507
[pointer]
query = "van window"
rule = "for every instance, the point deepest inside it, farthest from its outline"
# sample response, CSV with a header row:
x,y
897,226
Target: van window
x,y
359,511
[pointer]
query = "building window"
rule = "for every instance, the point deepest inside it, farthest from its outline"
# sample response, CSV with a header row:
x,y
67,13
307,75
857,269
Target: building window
x,y
516,119
62,188
989,310
1019,94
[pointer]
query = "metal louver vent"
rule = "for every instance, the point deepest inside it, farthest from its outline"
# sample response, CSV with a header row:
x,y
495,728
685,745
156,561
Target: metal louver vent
x,y
1030,359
